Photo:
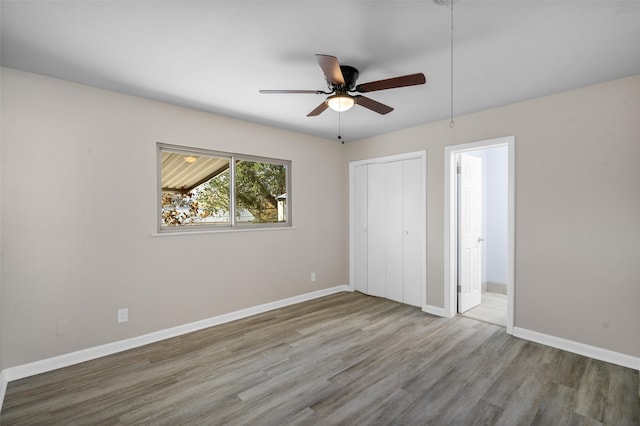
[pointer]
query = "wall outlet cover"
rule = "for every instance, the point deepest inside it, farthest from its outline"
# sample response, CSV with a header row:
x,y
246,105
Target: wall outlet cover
x,y
123,315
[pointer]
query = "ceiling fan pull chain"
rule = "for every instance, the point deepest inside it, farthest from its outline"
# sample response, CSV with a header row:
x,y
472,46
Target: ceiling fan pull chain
x,y
452,123
340,127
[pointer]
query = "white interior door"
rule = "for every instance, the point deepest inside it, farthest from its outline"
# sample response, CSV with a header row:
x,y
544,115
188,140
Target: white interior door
x,y
384,230
414,231
388,229
469,233
360,224
376,230
394,231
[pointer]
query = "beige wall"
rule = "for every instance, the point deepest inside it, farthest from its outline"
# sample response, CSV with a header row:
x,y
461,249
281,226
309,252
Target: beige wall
x,y
1,248
79,210
577,207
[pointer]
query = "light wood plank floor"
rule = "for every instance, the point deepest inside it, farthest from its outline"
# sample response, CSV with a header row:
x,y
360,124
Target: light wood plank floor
x,y
343,359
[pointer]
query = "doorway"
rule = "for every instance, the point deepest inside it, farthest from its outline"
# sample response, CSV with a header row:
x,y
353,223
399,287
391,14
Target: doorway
x,y
479,230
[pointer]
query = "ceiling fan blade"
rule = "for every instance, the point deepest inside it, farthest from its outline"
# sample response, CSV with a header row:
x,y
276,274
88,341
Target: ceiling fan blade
x,y
373,105
271,92
331,69
319,109
392,83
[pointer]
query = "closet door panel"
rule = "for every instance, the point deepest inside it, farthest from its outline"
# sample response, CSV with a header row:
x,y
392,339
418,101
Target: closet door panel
x,y
361,209
376,230
414,231
393,228
389,230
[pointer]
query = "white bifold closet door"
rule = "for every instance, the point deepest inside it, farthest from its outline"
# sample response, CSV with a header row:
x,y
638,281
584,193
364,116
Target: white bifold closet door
x,y
414,222
389,236
360,223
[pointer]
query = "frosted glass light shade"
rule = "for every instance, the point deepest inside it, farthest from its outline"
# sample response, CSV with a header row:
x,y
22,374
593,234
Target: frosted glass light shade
x,y
340,102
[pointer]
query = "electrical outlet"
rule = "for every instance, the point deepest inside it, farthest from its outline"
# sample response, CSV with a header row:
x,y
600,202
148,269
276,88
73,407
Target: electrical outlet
x,y
123,315
63,327
313,277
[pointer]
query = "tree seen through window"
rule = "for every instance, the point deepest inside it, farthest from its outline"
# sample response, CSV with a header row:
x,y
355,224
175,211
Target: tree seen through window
x,y
260,192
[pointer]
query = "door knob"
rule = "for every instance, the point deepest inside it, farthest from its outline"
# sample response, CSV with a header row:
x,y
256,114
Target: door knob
x,y
480,239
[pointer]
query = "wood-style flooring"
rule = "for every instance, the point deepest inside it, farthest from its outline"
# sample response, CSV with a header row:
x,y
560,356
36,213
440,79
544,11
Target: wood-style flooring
x,y
344,359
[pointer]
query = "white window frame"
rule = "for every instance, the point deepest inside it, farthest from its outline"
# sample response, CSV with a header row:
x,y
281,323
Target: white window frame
x,y
233,224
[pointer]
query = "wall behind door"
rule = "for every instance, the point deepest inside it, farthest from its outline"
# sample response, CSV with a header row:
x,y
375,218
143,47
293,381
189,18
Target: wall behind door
x,y
496,175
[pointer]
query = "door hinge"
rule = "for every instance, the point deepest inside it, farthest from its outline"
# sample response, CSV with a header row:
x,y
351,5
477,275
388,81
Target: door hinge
x,y
458,169
459,288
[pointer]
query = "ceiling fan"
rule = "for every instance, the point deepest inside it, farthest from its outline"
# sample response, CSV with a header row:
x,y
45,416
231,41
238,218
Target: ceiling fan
x,y
341,80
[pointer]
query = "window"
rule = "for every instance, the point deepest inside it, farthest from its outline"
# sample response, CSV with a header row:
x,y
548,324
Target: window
x,y
201,189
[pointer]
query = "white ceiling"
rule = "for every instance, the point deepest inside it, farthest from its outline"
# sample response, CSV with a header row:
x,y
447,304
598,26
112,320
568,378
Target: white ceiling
x,y
216,55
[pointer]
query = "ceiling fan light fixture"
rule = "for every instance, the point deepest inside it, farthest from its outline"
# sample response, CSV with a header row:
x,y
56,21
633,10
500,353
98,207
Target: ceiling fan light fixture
x,y
340,102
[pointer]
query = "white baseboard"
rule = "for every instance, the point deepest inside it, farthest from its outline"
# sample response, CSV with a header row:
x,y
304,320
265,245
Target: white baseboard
x,y
65,360
579,348
3,388
435,310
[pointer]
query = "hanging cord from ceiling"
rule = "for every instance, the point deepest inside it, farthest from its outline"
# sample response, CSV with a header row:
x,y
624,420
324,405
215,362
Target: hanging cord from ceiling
x,y
450,4
451,123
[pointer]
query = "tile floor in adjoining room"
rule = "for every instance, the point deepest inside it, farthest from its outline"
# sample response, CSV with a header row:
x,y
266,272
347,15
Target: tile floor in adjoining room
x,y
493,309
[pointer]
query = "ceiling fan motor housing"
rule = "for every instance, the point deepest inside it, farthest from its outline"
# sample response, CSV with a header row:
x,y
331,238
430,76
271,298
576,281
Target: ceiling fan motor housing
x,y
350,75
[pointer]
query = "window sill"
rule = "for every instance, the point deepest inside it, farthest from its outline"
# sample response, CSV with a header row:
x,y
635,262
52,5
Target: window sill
x,y
220,231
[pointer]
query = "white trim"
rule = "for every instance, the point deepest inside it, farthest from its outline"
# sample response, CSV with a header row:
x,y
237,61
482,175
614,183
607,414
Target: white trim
x,y
421,155
450,231
389,158
511,230
37,367
220,231
65,360
435,310
3,387
578,348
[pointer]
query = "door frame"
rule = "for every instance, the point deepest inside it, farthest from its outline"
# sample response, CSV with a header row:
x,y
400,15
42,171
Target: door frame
x,y
450,223
422,156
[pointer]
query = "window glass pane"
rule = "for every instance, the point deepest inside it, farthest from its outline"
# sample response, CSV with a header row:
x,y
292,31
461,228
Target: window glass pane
x,y
197,185
261,192
195,189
